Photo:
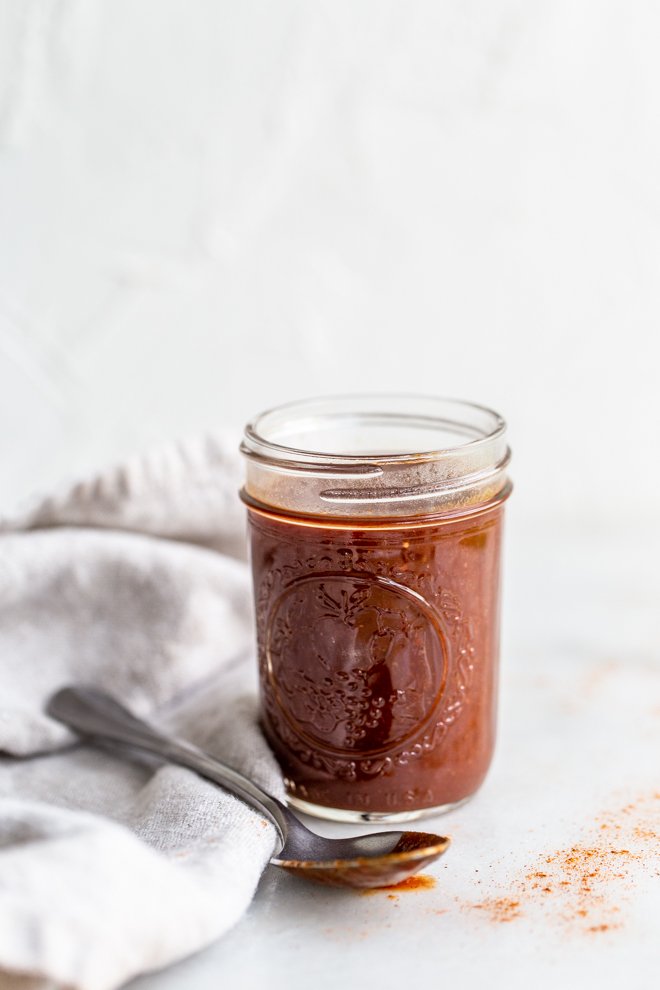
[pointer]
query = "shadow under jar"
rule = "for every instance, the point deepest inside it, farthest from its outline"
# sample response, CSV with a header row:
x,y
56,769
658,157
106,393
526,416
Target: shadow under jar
x,y
375,533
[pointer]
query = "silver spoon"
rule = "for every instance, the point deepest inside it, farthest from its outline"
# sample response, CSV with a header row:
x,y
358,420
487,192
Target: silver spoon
x,y
376,860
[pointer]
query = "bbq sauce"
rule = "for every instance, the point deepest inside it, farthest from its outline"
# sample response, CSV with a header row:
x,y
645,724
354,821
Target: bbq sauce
x,y
378,653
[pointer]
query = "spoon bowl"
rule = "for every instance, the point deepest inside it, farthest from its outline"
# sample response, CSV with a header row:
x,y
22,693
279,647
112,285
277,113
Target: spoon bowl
x,y
379,859
411,852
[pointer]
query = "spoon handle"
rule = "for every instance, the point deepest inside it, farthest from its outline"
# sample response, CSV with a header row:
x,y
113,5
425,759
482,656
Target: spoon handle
x,y
93,713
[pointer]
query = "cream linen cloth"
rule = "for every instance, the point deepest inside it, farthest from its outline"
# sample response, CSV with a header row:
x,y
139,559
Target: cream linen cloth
x,y
129,582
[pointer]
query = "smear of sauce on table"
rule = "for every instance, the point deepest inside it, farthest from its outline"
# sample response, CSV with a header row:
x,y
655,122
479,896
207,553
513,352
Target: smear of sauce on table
x,y
422,881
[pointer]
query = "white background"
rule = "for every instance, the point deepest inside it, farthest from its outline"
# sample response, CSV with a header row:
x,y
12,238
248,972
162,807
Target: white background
x,y
210,207
207,208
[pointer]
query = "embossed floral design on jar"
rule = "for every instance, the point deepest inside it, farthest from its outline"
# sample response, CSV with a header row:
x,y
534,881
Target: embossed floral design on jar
x,y
377,591
379,662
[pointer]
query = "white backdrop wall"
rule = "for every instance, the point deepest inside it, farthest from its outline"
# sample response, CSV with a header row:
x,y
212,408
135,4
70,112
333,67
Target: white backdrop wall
x,y
207,207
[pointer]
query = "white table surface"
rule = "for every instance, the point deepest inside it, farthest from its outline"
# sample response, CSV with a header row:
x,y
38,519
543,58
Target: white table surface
x,y
577,766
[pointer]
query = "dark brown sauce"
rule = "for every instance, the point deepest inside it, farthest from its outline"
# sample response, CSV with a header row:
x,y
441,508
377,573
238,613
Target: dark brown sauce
x,y
378,654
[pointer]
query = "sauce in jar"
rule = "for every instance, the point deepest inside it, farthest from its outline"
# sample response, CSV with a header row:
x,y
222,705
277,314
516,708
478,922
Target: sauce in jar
x,y
378,641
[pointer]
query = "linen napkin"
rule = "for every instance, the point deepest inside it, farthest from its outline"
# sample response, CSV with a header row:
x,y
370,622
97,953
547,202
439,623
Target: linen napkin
x,y
130,581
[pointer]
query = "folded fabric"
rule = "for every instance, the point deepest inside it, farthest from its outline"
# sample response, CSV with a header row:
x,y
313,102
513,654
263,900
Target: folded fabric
x,y
131,582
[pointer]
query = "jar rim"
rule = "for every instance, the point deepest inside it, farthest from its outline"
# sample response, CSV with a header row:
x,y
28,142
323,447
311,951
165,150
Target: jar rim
x,y
258,445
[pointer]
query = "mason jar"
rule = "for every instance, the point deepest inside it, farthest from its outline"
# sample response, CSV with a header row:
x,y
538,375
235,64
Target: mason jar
x,y
375,528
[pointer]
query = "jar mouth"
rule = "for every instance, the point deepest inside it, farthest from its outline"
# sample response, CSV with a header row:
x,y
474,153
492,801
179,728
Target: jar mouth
x,y
371,429
375,456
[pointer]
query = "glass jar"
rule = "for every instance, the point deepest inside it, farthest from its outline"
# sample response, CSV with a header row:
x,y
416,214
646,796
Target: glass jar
x,y
375,532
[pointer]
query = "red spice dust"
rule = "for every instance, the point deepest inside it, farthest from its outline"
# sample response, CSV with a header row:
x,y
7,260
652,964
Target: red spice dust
x,y
583,887
500,908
